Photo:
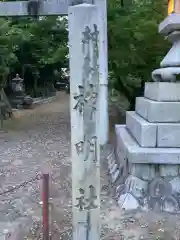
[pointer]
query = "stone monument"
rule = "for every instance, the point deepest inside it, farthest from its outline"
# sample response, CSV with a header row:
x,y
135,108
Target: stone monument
x,y
145,164
84,42
17,84
89,117
18,98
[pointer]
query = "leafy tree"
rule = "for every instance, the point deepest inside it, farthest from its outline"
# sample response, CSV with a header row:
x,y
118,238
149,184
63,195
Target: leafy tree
x,y
135,47
37,49
45,51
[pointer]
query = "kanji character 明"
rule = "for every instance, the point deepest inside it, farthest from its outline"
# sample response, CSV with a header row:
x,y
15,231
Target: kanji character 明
x,y
81,200
94,35
91,152
92,148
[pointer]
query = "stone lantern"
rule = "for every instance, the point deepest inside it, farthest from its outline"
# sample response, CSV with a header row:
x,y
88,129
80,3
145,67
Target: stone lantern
x,y
17,84
170,28
19,99
145,165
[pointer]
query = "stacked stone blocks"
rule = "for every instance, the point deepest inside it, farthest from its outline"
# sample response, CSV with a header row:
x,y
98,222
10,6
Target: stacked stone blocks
x,y
146,161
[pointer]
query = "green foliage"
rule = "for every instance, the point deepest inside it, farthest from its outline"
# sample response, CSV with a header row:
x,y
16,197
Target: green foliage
x,y
34,49
135,47
37,49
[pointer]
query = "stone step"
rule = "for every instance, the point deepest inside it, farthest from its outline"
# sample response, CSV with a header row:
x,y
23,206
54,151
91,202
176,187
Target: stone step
x,y
168,135
136,154
153,134
153,111
143,131
162,91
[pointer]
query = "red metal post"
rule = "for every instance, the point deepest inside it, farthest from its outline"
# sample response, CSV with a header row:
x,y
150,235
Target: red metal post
x,y
45,210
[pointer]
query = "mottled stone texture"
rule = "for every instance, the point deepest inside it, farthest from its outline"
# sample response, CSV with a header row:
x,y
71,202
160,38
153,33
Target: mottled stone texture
x,y
162,91
147,186
145,164
85,148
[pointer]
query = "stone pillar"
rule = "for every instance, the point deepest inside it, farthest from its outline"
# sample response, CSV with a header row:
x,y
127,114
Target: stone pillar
x,y
145,165
84,94
170,28
103,68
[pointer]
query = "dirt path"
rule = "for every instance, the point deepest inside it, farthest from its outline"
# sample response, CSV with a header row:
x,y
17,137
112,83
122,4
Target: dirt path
x,y
40,139
37,140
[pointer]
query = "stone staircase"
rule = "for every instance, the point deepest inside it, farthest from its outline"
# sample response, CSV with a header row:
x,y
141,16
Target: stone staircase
x,y
146,162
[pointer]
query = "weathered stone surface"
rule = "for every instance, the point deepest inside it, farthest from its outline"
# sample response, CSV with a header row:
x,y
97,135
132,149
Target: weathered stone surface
x,y
113,168
115,175
168,135
172,60
127,138
120,154
143,131
149,186
136,186
128,202
162,91
119,190
111,165
175,183
169,24
122,162
111,157
154,111
160,196
168,170
166,73
170,204
136,154
143,171
159,187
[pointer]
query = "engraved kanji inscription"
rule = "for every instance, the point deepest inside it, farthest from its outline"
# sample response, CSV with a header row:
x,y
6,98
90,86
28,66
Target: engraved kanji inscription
x,y
86,70
94,71
79,147
95,34
93,102
80,100
88,203
87,59
91,200
91,99
81,200
94,37
93,148
91,151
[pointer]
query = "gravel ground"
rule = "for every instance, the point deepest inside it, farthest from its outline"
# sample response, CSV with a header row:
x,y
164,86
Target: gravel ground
x,y
39,140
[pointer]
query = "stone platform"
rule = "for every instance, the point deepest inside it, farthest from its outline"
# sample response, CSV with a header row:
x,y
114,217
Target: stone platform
x,y
145,163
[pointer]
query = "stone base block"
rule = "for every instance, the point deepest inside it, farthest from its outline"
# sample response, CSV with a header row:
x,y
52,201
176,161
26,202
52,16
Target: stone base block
x,y
154,111
143,131
168,135
162,91
153,134
149,184
136,154
160,194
